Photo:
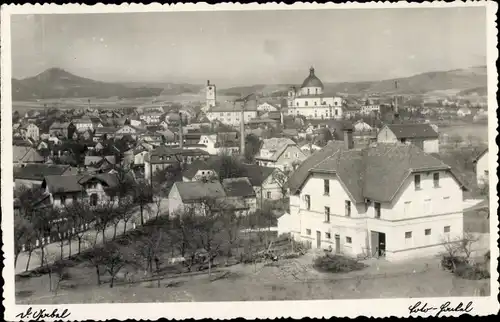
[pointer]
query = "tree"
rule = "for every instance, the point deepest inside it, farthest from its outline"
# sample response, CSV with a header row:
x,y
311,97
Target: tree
x,y
104,215
230,167
252,147
23,237
281,179
456,139
80,216
142,197
115,259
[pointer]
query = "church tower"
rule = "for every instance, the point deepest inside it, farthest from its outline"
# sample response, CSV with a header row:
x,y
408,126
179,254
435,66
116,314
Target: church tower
x,y
211,95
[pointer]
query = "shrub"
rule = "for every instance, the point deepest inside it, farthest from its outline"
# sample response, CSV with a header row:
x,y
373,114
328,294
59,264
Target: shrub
x,y
471,272
449,262
337,264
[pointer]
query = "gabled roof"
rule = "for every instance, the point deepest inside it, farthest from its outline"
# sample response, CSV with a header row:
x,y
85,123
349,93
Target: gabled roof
x,y
62,184
257,174
480,155
25,154
238,187
197,191
375,172
99,160
39,171
403,131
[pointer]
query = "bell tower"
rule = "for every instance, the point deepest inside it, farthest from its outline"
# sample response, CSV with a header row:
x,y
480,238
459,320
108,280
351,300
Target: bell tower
x,y
210,95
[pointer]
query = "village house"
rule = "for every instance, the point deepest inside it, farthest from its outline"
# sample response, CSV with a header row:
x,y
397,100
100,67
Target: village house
x,y
229,113
99,163
199,170
104,133
32,175
406,205
60,129
215,144
422,135
361,126
464,111
62,190
264,183
22,155
371,106
267,107
83,124
195,196
30,131
308,147
151,117
128,130
280,153
482,169
240,195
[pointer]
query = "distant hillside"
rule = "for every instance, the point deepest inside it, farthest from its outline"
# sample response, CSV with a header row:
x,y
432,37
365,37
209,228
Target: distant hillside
x,y
472,79
477,91
58,83
170,88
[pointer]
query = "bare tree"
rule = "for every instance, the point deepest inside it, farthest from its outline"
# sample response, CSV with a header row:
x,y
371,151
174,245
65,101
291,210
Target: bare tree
x,y
281,179
115,260
104,216
81,217
23,237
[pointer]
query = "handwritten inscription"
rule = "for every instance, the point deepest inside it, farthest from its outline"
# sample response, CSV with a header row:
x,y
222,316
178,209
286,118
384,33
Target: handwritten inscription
x,y
38,315
445,308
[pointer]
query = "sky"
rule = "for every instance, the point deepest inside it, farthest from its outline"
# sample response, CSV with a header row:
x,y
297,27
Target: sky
x,y
250,47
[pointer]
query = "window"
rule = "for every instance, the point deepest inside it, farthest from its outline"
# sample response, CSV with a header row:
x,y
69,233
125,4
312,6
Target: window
x,y
326,186
315,103
296,154
348,240
327,214
268,194
287,155
328,236
308,201
436,179
377,209
308,92
308,232
63,200
417,182
486,173
348,208
447,229
316,91
446,198
408,235
336,112
306,103
427,232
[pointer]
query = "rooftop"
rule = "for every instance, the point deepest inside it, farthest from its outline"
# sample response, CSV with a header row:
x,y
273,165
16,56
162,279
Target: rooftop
x,y
422,130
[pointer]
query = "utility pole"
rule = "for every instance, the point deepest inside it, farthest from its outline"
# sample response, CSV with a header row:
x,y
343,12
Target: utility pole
x,y
242,127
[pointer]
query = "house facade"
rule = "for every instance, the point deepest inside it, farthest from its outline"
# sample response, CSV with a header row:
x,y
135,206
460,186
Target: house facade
x,y
408,204
280,153
422,135
231,113
482,168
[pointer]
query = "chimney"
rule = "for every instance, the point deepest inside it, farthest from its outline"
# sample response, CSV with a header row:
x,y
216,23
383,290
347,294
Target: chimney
x,y
348,140
181,136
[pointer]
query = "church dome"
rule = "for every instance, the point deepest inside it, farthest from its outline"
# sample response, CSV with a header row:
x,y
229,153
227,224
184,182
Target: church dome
x,y
312,80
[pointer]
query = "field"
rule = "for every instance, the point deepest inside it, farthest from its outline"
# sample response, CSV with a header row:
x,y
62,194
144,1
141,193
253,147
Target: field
x,y
465,130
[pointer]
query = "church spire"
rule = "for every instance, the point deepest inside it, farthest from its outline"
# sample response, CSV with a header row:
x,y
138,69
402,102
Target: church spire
x,y
311,71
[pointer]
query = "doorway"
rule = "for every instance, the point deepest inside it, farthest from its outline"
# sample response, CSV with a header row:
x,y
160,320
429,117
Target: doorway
x,y
318,239
337,244
378,244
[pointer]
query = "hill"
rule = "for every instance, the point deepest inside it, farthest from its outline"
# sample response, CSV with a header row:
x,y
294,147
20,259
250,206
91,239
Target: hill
x,y
472,79
58,83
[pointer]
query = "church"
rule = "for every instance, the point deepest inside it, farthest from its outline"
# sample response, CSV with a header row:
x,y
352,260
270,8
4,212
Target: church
x,y
311,102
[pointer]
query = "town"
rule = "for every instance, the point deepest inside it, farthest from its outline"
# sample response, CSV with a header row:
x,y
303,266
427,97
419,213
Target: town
x,y
151,194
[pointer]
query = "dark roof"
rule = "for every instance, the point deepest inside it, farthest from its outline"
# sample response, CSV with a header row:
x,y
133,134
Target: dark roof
x,y
64,184
197,190
257,174
423,130
238,187
164,154
375,172
312,80
480,155
35,171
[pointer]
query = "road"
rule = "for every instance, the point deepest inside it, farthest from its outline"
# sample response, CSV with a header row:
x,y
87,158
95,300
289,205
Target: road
x,y
53,250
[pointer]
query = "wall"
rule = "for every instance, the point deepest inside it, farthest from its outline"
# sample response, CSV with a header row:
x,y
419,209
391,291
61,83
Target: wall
x,y
431,146
386,136
27,183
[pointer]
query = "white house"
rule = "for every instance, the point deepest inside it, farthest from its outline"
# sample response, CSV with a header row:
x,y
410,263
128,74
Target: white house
x,y
361,126
406,205
309,147
267,107
482,168
185,196
281,153
152,117
32,131
464,111
230,113
83,124
423,135
311,102
214,144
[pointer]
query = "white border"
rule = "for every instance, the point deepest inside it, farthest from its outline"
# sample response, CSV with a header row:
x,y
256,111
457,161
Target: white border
x,y
223,310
